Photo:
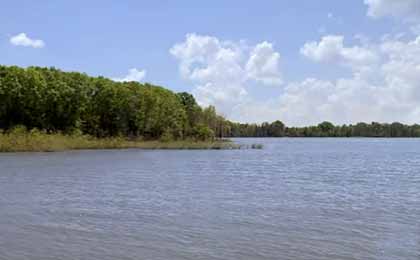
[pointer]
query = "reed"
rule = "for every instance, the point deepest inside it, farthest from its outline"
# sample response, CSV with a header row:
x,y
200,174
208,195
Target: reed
x,y
21,140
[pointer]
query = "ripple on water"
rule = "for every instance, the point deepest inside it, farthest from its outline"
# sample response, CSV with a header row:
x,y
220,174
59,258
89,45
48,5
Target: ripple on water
x,y
295,199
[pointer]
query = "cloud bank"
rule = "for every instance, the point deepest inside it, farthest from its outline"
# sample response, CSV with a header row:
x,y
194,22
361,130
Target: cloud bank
x,y
384,86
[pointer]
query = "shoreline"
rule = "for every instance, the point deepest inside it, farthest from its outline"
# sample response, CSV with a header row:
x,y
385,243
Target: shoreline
x,y
37,141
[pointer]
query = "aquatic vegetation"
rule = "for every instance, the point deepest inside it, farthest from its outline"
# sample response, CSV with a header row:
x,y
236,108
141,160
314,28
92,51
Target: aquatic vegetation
x,y
19,139
257,146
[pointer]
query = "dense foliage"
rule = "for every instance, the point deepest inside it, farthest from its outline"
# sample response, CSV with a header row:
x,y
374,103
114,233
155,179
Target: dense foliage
x,y
68,102
52,100
325,129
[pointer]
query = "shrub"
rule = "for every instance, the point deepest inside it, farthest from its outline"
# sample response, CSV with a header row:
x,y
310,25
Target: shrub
x,y
203,133
167,136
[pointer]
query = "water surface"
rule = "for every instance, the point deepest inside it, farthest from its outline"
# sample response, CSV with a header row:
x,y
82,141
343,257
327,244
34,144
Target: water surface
x,y
295,199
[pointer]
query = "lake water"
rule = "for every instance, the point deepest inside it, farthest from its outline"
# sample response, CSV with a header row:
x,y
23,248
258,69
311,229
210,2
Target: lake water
x,y
295,199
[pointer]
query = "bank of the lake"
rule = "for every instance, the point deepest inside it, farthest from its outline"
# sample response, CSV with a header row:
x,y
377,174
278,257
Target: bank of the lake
x,y
37,141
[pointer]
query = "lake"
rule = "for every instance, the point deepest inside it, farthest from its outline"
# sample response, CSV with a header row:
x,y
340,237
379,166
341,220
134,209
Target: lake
x,y
294,199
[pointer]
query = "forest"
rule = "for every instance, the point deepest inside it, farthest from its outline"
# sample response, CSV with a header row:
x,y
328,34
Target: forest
x,y
52,100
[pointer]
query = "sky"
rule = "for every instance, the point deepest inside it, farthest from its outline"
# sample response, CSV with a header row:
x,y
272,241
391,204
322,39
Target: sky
x,y
301,62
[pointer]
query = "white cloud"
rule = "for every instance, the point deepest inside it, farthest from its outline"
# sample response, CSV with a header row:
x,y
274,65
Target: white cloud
x,y
222,70
331,50
312,101
133,75
22,39
405,9
345,101
390,92
264,64
384,86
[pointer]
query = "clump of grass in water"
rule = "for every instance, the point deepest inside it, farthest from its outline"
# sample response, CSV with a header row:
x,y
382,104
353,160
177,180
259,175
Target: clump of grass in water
x,y
257,146
251,146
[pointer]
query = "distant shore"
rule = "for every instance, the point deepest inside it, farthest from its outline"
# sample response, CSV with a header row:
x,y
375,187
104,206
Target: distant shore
x,y
37,141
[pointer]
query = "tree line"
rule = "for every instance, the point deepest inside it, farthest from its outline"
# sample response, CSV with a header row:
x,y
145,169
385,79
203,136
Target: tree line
x,y
68,102
325,129
55,101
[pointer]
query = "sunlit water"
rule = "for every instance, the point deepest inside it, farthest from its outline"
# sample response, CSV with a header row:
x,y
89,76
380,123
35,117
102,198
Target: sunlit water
x,y
295,199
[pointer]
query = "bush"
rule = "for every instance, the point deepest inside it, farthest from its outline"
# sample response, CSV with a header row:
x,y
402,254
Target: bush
x,y
167,136
19,130
203,133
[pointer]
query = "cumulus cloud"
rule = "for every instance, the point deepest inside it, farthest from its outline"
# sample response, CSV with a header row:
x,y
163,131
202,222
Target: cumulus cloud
x,y
393,95
222,70
264,64
405,9
133,75
384,85
311,101
22,39
331,49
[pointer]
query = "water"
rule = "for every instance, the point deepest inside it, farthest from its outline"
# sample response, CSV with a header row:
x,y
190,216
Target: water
x,y
295,199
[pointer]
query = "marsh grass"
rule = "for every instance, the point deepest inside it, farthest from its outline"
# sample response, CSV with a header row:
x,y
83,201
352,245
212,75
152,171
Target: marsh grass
x,y
21,140
257,146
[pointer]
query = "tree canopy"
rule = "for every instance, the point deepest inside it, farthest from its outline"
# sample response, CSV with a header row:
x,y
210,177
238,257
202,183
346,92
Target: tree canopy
x,y
52,100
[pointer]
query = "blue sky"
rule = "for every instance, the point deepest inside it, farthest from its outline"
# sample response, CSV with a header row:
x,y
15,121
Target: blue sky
x,y
111,37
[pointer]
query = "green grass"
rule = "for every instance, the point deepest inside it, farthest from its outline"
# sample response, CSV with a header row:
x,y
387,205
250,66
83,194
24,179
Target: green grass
x,y
20,140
